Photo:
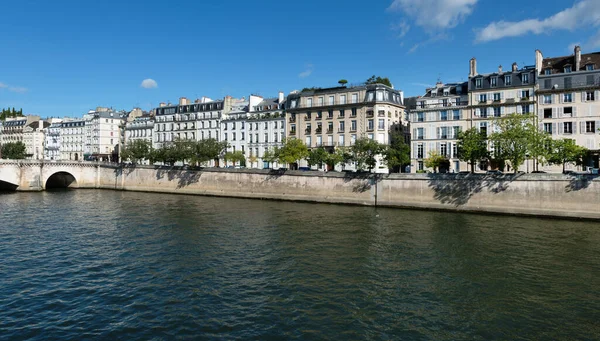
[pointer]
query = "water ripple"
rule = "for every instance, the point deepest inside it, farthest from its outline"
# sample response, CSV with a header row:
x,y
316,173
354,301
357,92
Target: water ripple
x,y
118,265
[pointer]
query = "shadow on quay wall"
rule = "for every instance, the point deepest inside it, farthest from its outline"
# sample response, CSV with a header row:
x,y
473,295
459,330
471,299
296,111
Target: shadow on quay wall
x,y
578,182
365,183
184,176
457,189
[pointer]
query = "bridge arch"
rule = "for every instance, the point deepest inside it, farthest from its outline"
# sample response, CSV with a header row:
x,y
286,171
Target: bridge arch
x,y
7,186
61,180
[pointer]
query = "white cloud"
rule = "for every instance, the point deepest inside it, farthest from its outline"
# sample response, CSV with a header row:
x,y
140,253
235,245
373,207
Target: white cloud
x,y
17,89
307,72
584,13
435,15
149,83
402,27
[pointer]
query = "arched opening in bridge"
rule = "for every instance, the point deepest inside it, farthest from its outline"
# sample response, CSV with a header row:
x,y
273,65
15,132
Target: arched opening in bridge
x,y
7,186
61,180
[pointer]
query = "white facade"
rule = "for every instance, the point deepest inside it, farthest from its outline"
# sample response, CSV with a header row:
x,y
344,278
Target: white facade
x,y
103,135
139,128
72,140
52,141
33,138
436,119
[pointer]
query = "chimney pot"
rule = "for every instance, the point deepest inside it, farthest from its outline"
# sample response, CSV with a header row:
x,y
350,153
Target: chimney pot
x,y
515,67
500,69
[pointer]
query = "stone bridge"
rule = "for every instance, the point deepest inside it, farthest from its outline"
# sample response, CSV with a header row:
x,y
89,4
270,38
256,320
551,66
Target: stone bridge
x,y
34,175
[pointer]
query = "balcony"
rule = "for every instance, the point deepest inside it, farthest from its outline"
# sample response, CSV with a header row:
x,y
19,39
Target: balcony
x,y
341,130
525,99
307,118
292,119
319,117
330,131
330,117
440,105
318,130
292,132
370,128
307,131
370,114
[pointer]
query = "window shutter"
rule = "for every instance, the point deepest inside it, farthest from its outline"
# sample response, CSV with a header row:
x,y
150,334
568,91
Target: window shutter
x,y
501,111
554,112
540,113
414,135
438,132
502,95
414,150
561,97
531,108
583,97
477,110
596,93
518,109
518,93
596,127
574,126
574,111
437,147
554,131
582,127
561,111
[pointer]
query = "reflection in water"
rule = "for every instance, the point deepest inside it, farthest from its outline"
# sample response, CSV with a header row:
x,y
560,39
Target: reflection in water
x,y
103,264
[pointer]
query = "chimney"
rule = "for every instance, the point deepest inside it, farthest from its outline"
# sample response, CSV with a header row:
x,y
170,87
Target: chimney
x,y
539,59
577,57
280,97
500,69
515,68
162,104
473,67
183,101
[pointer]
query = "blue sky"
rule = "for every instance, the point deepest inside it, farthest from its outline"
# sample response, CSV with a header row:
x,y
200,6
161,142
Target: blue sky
x,y
62,58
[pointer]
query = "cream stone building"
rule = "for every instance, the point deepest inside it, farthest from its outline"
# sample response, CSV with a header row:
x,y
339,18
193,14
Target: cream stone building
x,y
72,140
569,100
436,118
13,128
265,128
336,117
34,138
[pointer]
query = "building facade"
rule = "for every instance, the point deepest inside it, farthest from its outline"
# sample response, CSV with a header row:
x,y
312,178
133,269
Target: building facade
x,y
336,117
497,94
436,119
33,138
13,128
140,128
568,97
103,135
265,128
72,140
52,140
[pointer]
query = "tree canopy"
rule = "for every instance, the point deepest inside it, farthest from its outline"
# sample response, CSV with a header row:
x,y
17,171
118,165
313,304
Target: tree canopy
x,y
434,160
563,151
364,151
379,80
10,112
397,154
292,151
472,147
13,150
235,157
512,138
136,151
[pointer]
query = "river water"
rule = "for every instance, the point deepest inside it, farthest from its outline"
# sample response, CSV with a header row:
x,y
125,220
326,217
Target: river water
x,y
92,264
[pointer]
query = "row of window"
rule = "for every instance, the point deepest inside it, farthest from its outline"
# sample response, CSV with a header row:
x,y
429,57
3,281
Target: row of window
x,y
499,96
570,127
507,80
252,126
446,149
441,133
254,138
381,125
443,115
586,96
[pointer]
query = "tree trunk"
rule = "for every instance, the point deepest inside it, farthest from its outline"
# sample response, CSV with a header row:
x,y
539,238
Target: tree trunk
x,y
472,166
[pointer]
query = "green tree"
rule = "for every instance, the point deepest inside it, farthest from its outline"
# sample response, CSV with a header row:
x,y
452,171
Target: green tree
x,y
340,156
136,151
13,150
379,80
364,152
397,154
512,138
317,156
539,146
235,157
471,147
208,149
292,151
270,156
252,158
565,151
9,113
434,160
342,82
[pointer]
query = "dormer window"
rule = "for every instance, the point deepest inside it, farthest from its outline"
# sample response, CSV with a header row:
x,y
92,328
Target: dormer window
x,y
507,80
446,93
548,71
494,81
478,83
525,78
433,93
589,67
568,69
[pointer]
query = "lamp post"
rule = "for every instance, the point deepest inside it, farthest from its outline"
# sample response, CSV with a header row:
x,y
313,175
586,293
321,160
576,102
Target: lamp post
x,y
527,156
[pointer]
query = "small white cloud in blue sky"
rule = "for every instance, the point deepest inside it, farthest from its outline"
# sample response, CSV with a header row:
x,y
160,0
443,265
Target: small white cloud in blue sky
x,y
149,83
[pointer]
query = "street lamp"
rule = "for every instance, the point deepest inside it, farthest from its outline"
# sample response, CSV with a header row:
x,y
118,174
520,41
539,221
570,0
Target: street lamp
x,y
527,156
